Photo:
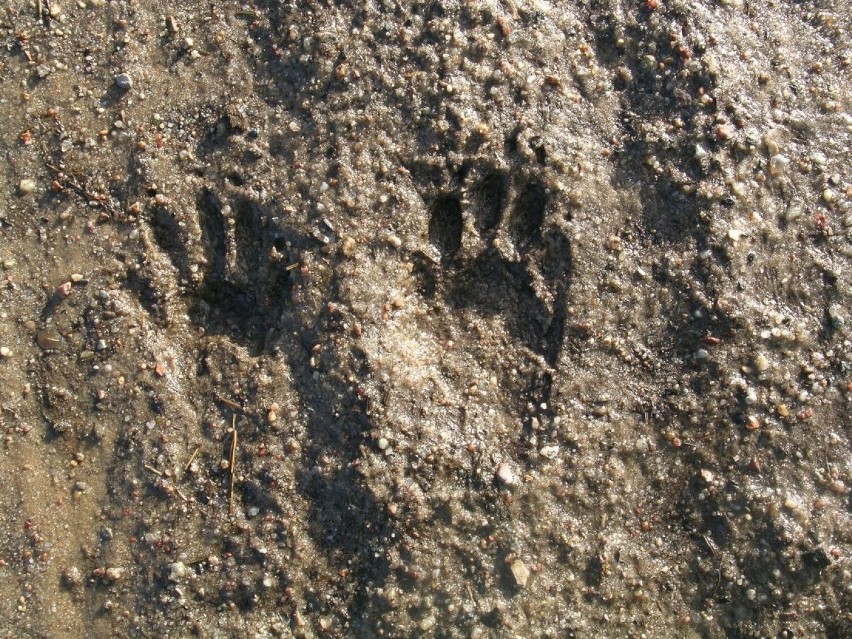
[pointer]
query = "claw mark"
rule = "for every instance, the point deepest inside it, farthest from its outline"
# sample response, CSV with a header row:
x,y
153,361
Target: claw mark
x,y
214,236
527,216
248,234
445,225
491,196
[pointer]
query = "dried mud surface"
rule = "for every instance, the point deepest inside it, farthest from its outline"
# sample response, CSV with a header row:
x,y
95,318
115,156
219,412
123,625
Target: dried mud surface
x,y
532,319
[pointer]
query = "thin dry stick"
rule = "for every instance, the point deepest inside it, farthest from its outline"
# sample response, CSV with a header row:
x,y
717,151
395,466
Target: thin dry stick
x,y
227,402
191,459
233,461
153,470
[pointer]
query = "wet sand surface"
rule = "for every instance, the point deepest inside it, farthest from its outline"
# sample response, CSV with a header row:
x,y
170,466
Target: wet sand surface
x,y
425,319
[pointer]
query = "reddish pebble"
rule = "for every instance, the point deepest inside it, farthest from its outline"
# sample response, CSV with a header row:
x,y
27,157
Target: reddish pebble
x,y
725,132
504,26
804,415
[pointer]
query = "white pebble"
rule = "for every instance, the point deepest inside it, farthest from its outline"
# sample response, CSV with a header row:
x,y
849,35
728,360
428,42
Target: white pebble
x,y
549,452
505,475
177,571
778,164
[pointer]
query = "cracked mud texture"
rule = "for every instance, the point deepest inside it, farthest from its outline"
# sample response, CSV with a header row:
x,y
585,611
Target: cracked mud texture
x,y
532,319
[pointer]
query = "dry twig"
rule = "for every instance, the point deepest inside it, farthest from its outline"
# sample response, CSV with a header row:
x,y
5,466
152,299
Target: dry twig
x,y
233,461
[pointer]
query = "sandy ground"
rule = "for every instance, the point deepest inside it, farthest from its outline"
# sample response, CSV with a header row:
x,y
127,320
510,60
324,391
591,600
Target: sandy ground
x,y
445,319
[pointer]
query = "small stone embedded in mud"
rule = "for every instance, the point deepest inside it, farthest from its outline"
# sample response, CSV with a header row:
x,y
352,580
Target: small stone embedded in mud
x,y
49,339
778,164
725,132
520,572
177,571
124,82
27,186
549,452
72,577
506,476
836,317
114,573
348,246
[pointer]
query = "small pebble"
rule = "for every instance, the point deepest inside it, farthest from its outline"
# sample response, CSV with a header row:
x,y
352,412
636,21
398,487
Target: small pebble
x,y
49,339
761,363
349,245
725,132
838,487
5,352
177,571
114,574
505,475
837,320
520,572
778,164
124,82
27,185
427,623
72,577
549,452
735,235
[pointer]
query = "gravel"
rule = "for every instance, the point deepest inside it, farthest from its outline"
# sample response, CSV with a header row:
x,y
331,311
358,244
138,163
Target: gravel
x,y
426,319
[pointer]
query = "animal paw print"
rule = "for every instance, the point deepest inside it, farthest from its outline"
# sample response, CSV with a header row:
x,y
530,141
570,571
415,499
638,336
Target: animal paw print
x,y
501,253
241,281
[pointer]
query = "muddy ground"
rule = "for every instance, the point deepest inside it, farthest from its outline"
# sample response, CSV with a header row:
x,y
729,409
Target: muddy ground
x,y
443,319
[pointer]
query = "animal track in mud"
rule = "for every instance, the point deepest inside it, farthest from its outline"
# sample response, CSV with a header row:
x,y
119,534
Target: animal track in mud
x,y
243,282
514,264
